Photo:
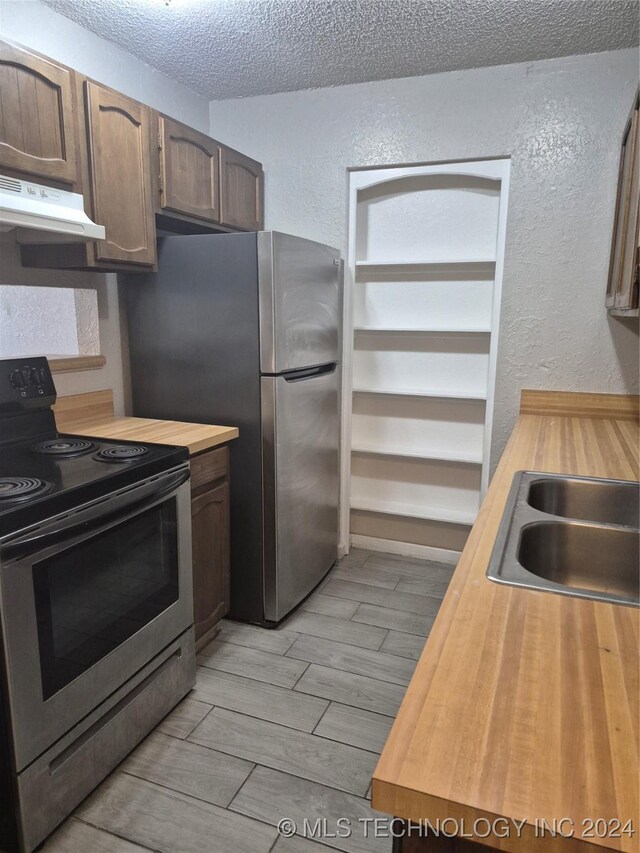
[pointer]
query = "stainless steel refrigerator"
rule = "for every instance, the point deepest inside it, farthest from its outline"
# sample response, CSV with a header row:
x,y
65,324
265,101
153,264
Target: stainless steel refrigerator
x,y
244,330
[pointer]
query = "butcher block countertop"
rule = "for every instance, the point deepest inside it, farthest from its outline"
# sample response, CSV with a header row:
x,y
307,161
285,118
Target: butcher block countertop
x,y
524,704
92,415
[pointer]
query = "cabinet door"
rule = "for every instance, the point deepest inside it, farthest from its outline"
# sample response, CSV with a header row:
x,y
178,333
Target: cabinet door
x,y
120,172
622,290
188,171
241,181
210,537
37,116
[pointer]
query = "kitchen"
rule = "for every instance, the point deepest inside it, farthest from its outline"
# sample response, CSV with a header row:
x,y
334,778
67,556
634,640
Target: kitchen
x,y
419,211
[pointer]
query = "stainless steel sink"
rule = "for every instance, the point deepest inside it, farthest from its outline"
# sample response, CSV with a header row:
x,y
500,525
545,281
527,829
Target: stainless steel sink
x,y
572,536
605,501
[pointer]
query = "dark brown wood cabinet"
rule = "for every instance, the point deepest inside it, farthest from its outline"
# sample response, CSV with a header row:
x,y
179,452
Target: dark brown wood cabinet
x,y
241,183
624,265
188,171
116,174
210,538
118,139
38,117
130,163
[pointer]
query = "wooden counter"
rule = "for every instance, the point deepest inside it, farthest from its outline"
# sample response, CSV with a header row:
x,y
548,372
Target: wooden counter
x,y
92,415
524,704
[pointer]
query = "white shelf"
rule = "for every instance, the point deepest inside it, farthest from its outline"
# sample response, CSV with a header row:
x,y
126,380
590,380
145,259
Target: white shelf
x,y
424,266
426,513
436,455
442,395
421,331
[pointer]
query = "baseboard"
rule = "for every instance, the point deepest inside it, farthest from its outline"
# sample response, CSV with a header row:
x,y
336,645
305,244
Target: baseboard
x,y
405,549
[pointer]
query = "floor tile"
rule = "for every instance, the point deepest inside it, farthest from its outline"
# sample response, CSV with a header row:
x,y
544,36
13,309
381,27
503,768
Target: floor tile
x,y
316,625
409,567
184,717
396,670
364,574
265,639
252,663
349,689
295,844
270,795
186,767
257,699
270,745
78,837
434,587
355,557
355,726
328,605
170,822
385,617
404,645
404,601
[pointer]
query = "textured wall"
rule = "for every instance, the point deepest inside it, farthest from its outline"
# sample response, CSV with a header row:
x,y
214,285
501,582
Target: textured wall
x,y
37,26
109,376
559,120
36,321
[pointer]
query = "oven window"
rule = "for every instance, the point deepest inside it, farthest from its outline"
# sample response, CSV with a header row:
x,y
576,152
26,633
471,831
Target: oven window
x,y
92,597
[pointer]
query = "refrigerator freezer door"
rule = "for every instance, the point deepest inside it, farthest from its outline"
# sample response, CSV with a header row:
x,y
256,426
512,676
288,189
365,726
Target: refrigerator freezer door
x,y
300,468
299,302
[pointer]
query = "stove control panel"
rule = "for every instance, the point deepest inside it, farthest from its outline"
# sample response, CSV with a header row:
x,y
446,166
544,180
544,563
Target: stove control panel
x,y
26,383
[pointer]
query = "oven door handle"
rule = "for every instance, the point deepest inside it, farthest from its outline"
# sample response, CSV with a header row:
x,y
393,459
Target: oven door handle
x,y
95,518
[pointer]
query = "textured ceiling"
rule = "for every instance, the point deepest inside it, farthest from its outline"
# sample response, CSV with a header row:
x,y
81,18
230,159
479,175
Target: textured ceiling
x,y
237,48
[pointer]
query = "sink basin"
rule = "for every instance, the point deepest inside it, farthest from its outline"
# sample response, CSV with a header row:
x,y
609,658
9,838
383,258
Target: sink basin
x,y
583,557
605,501
571,536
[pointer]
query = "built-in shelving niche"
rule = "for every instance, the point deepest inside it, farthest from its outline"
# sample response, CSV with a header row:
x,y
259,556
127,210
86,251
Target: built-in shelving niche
x,y
424,277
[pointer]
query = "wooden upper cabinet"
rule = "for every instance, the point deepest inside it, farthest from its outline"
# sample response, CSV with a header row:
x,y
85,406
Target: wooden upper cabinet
x,y
622,288
241,185
119,142
37,116
189,171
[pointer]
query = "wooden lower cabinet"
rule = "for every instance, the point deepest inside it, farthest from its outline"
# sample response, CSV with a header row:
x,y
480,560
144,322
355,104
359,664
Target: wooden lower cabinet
x,y
210,539
415,843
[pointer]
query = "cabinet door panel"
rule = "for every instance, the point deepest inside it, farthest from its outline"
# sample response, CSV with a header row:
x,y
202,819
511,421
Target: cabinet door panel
x,y
241,182
189,171
622,288
37,116
120,167
210,537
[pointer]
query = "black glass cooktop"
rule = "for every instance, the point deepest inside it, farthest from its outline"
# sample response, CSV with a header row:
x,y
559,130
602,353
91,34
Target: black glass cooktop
x,y
43,472
35,484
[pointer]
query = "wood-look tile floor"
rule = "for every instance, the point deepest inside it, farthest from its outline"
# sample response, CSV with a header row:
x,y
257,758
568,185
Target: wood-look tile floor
x,y
281,723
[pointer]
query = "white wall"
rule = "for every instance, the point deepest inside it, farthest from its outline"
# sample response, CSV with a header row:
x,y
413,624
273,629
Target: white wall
x,y
109,376
42,29
559,120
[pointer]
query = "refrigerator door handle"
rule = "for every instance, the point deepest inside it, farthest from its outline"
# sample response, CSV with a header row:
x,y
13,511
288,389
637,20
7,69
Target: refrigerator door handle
x,y
308,372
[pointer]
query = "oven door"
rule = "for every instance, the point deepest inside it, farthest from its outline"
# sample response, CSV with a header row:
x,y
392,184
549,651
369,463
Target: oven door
x,y
87,599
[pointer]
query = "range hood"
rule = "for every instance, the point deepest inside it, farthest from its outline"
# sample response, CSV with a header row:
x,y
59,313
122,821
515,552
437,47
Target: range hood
x,y
24,204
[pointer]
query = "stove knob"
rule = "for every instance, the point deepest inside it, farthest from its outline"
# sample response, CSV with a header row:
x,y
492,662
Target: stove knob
x,y
35,376
17,379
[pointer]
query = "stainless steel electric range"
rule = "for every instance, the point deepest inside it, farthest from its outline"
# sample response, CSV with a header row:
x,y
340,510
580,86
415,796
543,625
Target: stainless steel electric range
x,y
96,604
